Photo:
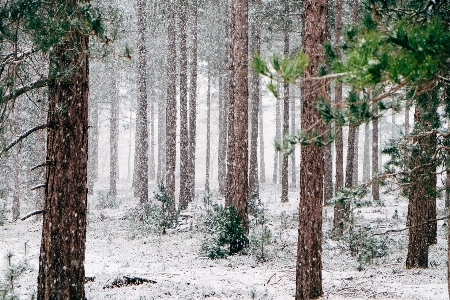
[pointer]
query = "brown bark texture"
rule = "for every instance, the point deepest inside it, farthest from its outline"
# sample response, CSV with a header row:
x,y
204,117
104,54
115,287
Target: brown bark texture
x,y
61,260
193,104
253,181
171,104
309,251
184,125
239,90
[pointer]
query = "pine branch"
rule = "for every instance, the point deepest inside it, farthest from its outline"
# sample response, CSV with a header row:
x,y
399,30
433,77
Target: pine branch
x,y
25,89
414,226
23,136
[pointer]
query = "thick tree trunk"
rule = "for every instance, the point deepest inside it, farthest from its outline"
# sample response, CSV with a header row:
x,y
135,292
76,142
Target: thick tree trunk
x,y
113,135
61,260
193,105
285,158
171,104
208,132
253,182
309,260
239,91
184,122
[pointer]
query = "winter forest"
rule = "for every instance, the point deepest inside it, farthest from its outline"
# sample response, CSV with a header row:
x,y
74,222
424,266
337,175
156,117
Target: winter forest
x,y
224,149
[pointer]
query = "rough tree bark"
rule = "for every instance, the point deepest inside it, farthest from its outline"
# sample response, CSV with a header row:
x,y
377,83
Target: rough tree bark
x,y
171,103
141,153
253,182
262,163
309,260
193,103
292,156
61,260
339,143
285,158
375,183
276,155
184,125
239,91
355,173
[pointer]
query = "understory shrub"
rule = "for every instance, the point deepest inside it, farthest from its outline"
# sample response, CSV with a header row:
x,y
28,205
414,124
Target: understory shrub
x,y
260,233
13,271
224,232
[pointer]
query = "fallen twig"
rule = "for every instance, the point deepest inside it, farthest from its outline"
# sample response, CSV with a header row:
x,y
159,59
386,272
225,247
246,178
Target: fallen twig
x,y
32,214
409,227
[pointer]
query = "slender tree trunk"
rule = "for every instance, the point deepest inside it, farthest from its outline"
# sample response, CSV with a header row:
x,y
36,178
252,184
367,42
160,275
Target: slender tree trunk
x,y
407,119
350,156
171,104
16,161
239,91
276,155
366,165
151,152
447,163
161,173
184,125
222,155
208,132
309,260
285,158
356,158
61,260
130,134
113,135
93,148
193,105
293,165
41,150
253,181
375,183
339,143
141,115
262,163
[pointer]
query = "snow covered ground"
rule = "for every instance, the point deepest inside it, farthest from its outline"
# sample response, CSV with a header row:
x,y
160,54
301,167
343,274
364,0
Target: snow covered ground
x,y
174,261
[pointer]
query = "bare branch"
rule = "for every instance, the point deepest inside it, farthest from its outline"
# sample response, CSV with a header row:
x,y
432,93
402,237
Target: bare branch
x,y
23,136
409,227
39,186
37,212
47,163
444,79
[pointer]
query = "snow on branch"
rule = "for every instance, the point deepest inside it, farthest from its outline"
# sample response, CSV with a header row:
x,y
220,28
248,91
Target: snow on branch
x,y
25,89
23,136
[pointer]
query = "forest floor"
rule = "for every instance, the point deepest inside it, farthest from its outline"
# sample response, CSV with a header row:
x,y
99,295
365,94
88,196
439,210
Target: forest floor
x,y
117,246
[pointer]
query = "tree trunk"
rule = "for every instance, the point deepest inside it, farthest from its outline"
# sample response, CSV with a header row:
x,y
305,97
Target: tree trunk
x,y
151,152
141,114
285,158
253,182
113,134
193,105
93,148
184,129
222,155
16,161
161,173
262,163
239,91
61,260
366,165
356,158
208,132
350,156
339,143
375,183
276,155
171,104
292,156
309,260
